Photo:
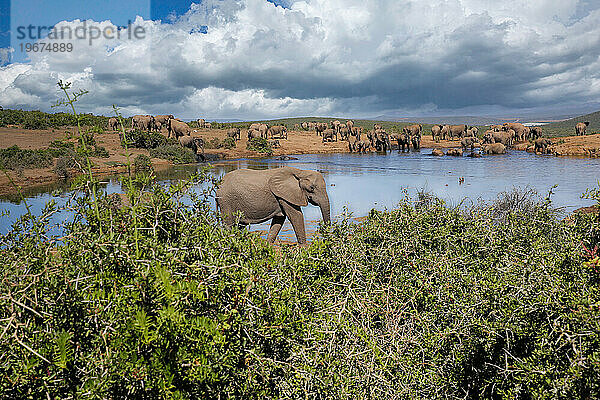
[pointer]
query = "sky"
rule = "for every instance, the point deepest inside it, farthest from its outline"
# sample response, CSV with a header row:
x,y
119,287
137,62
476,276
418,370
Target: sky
x,y
259,59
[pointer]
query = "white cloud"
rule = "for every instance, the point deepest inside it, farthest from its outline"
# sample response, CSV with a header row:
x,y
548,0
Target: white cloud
x,y
329,57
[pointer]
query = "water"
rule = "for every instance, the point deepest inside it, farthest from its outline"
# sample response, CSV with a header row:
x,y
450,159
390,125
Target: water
x,y
359,182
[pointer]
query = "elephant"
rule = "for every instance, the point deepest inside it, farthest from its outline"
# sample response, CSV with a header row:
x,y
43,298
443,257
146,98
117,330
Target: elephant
x,y
178,128
495,148
521,131
437,153
536,132
162,120
496,128
335,125
445,132
253,133
353,143
455,152
192,143
201,123
377,127
472,132
506,138
416,142
413,130
356,131
403,141
207,125
272,194
234,133
363,146
436,132
542,144
296,127
304,125
344,133
350,125
382,141
458,131
275,144
329,135
113,124
320,128
278,131
142,122
469,142
581,128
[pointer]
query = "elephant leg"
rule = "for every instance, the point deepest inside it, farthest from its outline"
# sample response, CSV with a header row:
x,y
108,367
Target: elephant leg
x,y
294,213
276,225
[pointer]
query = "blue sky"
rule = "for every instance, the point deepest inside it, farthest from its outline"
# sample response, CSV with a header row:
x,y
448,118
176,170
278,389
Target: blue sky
x,y
341,58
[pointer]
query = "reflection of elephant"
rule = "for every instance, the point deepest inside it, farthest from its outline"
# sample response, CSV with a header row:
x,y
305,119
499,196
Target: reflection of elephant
x,y
276,194
581,128
541,145
178,128
436,132
437,153
234,133
454,152
113,124
496,148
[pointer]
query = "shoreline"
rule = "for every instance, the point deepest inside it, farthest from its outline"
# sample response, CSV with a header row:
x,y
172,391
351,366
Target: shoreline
x,y
298,143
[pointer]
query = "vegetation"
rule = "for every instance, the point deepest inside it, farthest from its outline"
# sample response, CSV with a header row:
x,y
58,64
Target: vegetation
x,y
145,140
229,143
42,120
142,163
175,153
260,145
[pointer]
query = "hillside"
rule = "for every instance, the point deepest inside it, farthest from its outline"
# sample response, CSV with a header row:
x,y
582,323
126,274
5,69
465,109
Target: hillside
x,y
567,127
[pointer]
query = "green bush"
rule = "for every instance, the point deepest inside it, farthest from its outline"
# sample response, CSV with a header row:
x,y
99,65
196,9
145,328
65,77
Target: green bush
x,y
260,145
97,130
159,300
229,143
145,140
101,152
15,158
213,143
142,163
42,120
174,153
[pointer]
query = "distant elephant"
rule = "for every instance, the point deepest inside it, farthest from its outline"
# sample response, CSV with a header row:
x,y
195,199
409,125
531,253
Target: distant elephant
x,y
335,125
377,127
161,121
353,144
506,138
581,128
382,141
253,133
454,152
472,132
458,131
521,131
536,132
304,125
356,131
113,124
207,125
416,142
445,132
320,128
363,145
495,148
344,133
414,130
350,125
496,128
541,145
272,194
436,132
278,131
192,143
403,140
142,122
469,142
329,135
437,153
178,128
201,123
296,127
234,133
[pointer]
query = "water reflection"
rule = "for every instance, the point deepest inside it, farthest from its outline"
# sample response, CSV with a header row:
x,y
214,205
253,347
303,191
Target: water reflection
x,y
359,183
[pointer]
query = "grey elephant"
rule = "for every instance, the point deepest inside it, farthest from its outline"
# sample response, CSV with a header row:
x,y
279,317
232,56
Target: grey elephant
x,y
468,142
536,132
581,128
542,144
177,128
495,148
273,194
161,121
113,124
403,140
329,135
234,133
142,122
416,142
352,144
278,131
436,132
192,143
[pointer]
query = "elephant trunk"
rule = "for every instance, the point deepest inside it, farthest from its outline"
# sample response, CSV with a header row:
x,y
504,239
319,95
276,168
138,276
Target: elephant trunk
x,y
325,211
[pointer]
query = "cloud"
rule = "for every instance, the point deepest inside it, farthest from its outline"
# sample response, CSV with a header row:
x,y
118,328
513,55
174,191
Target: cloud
x,y
251,59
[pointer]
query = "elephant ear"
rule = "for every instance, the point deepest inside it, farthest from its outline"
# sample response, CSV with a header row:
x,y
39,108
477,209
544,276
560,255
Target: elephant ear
x,y
285,184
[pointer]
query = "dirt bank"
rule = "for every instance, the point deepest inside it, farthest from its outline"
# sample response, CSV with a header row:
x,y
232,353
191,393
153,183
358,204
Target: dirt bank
x,y
298,142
